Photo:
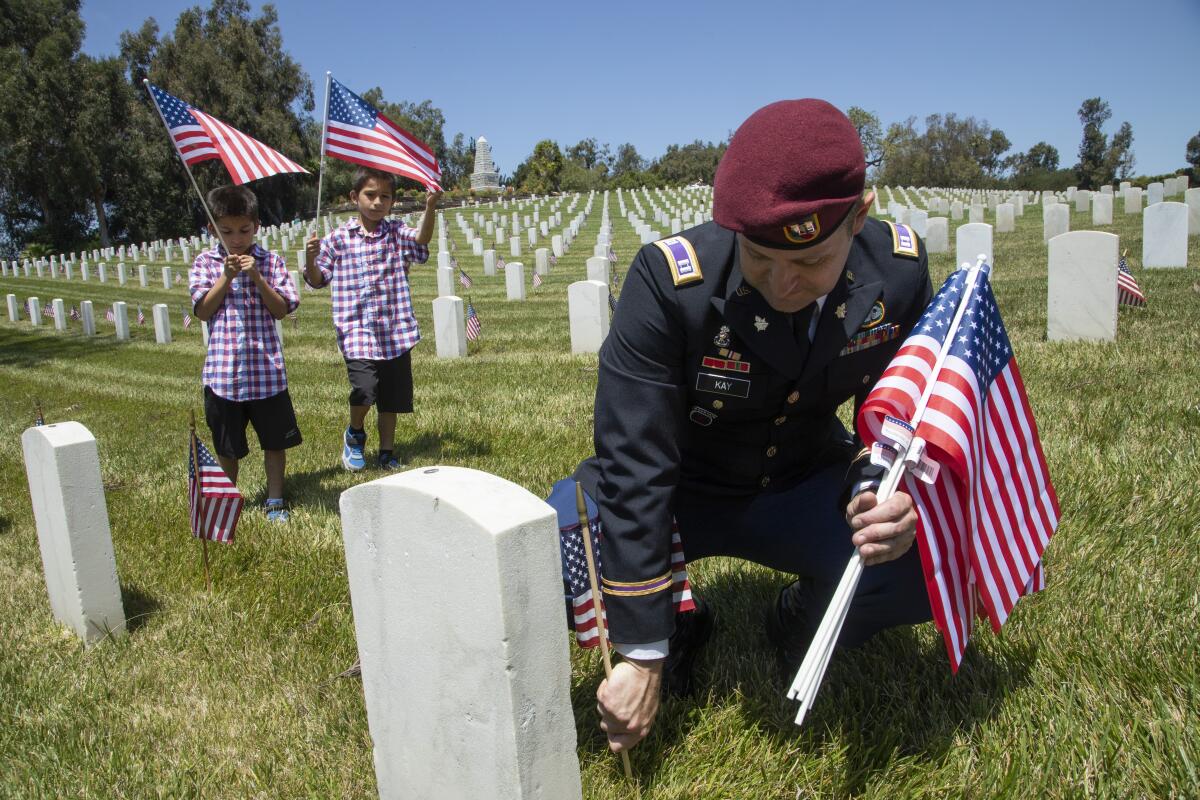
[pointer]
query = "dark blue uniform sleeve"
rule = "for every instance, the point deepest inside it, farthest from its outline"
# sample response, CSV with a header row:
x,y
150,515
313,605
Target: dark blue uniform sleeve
x,y
638,413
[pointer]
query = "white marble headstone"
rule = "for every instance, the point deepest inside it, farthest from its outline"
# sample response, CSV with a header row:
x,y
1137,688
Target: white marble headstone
x,y
971,241
1082,286
1165,235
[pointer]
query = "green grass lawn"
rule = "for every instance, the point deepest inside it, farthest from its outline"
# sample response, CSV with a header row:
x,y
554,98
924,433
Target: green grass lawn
x,y
1091,690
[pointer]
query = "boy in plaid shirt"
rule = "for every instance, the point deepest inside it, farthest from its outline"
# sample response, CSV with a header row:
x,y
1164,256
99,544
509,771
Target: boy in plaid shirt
x,y
367,261
240,294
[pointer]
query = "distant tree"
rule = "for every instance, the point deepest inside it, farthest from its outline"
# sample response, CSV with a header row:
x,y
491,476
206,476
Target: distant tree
x,y
1100,162
576,178
541,172
1192,154
627,161
871,134
951,151
459,163
689,163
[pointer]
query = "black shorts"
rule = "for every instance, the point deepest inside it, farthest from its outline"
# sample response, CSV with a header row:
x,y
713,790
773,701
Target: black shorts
x,y
273,418
387,385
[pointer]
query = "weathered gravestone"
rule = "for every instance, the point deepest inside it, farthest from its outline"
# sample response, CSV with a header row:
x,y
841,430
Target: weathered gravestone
x,y
1005,218
489,263
88,316
162,324
445,281
449,328
541,261
467,691
142,276
60,314
166,277
1154,192
14,313
972,240
1165,235
514,280
919,220
35,312
1102,209
1056,220
1083,201
587,308
975,214
1192,200
598,269
63,468
514,246
121,320
937,235
1082,286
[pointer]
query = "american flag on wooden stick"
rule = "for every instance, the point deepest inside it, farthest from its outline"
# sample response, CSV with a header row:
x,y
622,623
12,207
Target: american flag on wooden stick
x,y
358,133
214,503
984,518
537,279
187,318
473,326
110,316
200,137
1128,291
464,278
141,318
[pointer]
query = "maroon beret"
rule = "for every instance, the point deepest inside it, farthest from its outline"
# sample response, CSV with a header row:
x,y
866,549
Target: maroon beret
x,y
792,171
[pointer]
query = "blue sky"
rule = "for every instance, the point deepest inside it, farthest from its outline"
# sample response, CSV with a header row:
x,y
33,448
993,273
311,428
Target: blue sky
x,y
658,73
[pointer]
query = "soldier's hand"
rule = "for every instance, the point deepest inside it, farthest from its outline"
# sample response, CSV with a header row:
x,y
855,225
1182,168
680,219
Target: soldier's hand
x,y
628,702
311,248
882,531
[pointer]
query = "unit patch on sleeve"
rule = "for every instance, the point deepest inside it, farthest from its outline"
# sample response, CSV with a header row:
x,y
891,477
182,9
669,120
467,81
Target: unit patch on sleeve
x,y
681,258
904,240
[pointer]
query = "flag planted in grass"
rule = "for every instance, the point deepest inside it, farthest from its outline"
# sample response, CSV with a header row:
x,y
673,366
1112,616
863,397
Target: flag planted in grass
x,y
988,509
141,318
1128,291
187,319
474,329
464,279
214,503
537,279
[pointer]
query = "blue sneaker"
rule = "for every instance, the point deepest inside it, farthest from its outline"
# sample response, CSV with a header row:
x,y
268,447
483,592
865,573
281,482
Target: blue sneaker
x,y
275,511
390,461
352,451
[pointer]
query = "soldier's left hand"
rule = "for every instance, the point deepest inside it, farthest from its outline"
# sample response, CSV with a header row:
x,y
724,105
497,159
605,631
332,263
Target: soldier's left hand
x,y
882,531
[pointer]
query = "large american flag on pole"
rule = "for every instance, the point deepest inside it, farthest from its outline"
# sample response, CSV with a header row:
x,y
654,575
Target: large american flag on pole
x,y
357,132
214,502
200,137
984,520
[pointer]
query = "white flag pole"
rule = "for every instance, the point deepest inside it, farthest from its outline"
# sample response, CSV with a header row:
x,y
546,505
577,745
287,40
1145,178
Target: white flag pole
x,y
324,133
816,660
204,205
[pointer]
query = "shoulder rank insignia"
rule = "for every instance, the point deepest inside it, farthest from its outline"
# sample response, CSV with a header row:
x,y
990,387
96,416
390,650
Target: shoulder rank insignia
x,y
904,240
681,258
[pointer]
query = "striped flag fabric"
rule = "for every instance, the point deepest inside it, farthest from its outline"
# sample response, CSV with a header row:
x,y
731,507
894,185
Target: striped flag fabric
x,y
74,313
984,517
357,132
110,316
141,318
553,260
214,503
201,137
464,278
1128,291
187,318
574,564
537,279
612,255
474,329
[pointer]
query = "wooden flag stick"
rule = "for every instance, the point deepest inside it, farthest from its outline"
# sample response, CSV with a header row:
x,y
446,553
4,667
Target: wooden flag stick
x,y
586,530
38,417
199,500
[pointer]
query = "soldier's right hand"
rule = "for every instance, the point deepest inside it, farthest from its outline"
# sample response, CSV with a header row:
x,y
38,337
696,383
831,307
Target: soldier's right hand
x,y
628,702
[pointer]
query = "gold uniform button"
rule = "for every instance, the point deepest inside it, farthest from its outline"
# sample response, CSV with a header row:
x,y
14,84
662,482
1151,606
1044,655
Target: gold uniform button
x,y
771,451
793,397
718,405
780,420
766,481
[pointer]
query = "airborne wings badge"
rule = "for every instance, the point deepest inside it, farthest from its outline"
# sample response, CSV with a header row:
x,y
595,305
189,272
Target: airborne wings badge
x,y
681,258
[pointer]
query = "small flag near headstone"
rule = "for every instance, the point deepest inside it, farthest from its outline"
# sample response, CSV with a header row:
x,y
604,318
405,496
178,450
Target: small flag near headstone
x,y
473,326
187,319
178,279
1128,291
537,279
612,256
74,313
464,279
500,263
214,503
110,316
553,260
141,318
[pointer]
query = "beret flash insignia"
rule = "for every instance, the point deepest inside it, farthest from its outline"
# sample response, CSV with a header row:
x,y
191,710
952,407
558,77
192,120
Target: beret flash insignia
x,y
803,231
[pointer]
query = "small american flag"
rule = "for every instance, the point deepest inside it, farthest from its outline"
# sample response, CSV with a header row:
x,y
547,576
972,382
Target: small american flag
x,y
47,311
141,317
984,519
214,503
473,326
178,279
358,133
537,279
612,255
464,279
74,313
110,316
500,265
187,319
199,137
1128,291
553,260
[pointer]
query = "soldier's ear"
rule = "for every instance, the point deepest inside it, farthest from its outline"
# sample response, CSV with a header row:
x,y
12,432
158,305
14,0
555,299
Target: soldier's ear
x,y
864,210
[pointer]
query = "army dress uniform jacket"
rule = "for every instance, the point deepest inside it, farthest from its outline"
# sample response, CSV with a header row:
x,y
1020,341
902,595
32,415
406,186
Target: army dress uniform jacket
x,y
704,388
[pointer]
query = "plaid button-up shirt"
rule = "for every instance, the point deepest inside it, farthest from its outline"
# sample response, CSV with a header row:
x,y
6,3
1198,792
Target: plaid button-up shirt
x,y
372,307
245,359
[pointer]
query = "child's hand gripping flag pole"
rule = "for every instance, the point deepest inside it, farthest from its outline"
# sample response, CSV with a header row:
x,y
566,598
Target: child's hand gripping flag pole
x,y
970,423
199,137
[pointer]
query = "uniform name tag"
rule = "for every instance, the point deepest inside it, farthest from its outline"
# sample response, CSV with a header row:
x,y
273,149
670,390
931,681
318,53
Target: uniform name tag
x,y
722,384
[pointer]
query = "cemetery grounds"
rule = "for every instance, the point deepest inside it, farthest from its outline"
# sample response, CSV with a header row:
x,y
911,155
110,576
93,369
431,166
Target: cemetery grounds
x,y
1091,690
